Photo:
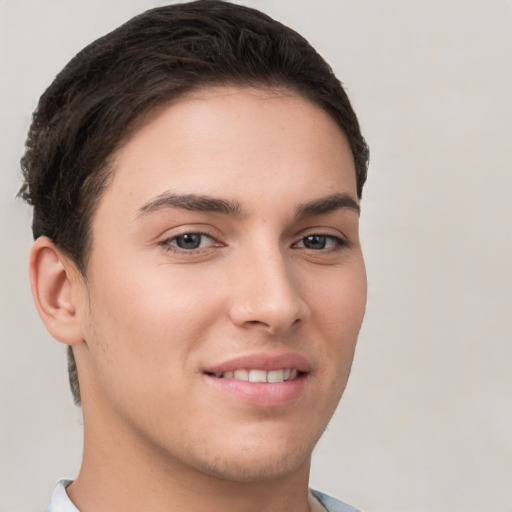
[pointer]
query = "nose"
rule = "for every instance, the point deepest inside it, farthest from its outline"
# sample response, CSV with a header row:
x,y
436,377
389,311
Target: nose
x,y
266,295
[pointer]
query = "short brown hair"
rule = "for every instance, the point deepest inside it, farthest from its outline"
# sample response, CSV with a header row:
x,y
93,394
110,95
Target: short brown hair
x,y
97,100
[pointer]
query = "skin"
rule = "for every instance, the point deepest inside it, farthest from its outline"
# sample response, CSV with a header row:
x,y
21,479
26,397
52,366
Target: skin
x,y
150,317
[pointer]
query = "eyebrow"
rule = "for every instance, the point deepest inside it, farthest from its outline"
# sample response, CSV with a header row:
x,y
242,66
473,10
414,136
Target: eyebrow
x,y
326,205
193,202
202,203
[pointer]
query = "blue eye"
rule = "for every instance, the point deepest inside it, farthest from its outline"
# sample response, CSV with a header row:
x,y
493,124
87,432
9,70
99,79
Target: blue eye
x,y
188,241
320,242
315,241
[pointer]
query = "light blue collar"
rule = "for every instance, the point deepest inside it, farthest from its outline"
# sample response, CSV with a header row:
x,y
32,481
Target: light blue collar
x,y
60,499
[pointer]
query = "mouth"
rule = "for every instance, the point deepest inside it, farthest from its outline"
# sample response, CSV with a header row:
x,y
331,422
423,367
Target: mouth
x,y
259,375
261,379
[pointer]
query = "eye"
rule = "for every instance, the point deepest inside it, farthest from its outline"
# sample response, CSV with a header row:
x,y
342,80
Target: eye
x,y
319,242
189,241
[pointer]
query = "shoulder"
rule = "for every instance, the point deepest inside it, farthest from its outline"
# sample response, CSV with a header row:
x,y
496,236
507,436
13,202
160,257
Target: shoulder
x,y
332,504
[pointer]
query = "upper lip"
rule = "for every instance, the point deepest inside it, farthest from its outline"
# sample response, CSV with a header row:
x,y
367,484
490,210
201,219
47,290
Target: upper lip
x,y
262,361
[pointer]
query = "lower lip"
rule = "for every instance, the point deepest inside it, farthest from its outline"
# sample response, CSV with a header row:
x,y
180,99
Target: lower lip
x,y
264,394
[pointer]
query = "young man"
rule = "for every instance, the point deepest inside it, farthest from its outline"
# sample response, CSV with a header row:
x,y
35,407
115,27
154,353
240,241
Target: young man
x,y
196,177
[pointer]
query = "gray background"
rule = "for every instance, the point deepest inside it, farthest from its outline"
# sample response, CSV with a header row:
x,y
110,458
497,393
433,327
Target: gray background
x,y
426,421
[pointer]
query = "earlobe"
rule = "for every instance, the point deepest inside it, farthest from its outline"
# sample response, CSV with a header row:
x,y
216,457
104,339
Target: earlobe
x,y
54,282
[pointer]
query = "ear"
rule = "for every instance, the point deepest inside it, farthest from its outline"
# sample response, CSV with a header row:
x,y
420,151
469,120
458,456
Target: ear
x,y
56,287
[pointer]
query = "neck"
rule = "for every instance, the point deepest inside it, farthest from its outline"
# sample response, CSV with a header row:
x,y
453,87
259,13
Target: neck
x,y
122,472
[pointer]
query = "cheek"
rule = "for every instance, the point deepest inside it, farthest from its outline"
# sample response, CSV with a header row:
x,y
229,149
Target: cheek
x,y
338,305
146,315
142,336
339,301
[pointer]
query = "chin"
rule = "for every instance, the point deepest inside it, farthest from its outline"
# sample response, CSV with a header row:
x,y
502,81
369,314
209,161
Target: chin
x,y
257,469
265,459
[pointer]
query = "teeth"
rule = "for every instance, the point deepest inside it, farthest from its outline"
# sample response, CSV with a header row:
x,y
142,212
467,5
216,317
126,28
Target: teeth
x,y
241,374
256,375
275,376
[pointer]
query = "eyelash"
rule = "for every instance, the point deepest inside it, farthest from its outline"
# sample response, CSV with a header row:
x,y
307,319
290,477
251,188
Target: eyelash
x,y
339,243
167,243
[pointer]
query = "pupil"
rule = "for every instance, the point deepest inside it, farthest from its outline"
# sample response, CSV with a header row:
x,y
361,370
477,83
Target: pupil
x,y
315,242
189,241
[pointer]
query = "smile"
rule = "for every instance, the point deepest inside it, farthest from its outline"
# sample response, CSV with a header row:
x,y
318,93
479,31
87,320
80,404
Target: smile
x,y
261,380
257,375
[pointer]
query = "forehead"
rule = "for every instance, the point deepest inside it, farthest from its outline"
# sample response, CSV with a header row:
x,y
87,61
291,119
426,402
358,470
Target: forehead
x,y
243,143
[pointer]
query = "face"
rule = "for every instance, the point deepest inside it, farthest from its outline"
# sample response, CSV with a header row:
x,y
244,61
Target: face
x,y
226,285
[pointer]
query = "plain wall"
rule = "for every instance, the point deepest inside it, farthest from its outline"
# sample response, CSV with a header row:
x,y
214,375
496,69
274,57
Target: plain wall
x,y
426,421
